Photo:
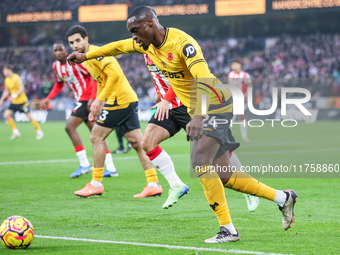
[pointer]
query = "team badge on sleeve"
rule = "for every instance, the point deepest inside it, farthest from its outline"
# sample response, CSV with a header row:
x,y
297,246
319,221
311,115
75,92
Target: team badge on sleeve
x,y
189,51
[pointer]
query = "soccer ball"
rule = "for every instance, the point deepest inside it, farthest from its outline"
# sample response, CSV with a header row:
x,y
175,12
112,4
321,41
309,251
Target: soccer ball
x,y
16,232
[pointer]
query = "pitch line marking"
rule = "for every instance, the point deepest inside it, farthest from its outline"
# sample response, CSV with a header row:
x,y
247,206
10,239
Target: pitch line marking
x,y
173,156
178,247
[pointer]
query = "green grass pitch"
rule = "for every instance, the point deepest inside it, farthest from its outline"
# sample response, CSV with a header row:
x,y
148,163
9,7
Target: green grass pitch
x,y
43,193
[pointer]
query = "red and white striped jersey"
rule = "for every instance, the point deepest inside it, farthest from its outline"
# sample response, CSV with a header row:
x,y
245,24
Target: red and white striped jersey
x,y
161,82
241,80
77,78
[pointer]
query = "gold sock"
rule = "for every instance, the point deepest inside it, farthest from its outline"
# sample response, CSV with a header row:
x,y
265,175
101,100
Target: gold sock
x,y
245,183
35,124
151,175
214,192
97,174
11,124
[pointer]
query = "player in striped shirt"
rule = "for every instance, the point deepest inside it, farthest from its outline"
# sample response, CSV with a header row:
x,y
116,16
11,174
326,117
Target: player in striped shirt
x,y
84,90
242,80
180,59
160,129
171,116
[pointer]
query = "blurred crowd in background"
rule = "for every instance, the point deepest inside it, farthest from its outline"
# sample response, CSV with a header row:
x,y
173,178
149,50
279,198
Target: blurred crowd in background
x,y
310,61
10,6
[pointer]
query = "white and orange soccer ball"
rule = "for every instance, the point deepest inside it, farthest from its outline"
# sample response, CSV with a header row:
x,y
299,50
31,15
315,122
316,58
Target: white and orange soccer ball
x,y
16,232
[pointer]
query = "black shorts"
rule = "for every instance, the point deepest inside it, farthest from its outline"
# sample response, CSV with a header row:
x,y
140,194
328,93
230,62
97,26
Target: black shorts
x,y
218,127
178,118
80,110
126,118
24,107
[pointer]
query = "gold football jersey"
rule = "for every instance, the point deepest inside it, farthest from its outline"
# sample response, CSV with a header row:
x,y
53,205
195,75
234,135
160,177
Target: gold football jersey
x,y
112,84
13,83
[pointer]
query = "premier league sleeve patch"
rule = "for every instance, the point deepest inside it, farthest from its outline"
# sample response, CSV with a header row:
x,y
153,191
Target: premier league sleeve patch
x,y
189,51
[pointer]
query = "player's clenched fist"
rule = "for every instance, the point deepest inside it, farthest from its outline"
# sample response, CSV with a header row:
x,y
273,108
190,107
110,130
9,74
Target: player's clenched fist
x,y
76,58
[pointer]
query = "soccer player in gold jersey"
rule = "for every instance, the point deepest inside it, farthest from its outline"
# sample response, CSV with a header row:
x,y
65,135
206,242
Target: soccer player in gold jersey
x,y
84,90
180,59
116,104
19,102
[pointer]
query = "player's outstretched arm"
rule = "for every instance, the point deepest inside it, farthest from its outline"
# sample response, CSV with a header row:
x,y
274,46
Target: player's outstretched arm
x,y
112,49
126,46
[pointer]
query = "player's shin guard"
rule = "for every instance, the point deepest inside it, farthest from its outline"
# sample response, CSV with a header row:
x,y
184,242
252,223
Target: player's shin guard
x,y
109,162
165,166
245,183
35,124
81,154
214,192
151,175
97,174
11,124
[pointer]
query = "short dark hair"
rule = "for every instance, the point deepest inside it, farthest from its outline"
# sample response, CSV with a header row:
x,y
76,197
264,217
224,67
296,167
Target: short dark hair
x,y
142,11
9,67
75,30
153,10
238,60
61,42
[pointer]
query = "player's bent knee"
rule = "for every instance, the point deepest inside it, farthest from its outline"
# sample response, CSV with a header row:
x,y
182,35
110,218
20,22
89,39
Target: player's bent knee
x,y
94,138
135,144
97,137
68,129
7,115
199,160
134,139
147,145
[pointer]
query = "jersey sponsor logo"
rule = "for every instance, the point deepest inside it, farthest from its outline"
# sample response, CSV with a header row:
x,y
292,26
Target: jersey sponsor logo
x,y
70,79
189,51
172,75
100,58
154,69
170,56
